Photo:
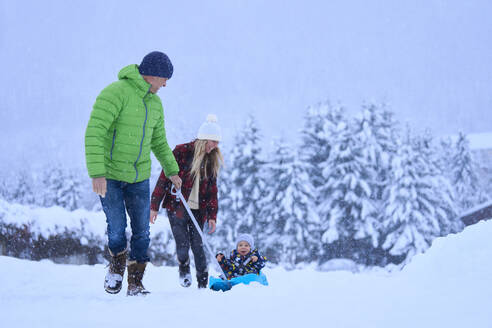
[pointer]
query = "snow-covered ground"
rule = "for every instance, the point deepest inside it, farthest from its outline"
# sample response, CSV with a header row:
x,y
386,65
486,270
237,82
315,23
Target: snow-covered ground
x,y
448,286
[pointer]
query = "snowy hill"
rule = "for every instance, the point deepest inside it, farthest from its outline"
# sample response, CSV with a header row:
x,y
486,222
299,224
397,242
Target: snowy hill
x,y
449,286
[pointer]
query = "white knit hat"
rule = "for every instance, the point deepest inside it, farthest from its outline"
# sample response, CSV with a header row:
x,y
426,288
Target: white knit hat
x,y
247,238
210,130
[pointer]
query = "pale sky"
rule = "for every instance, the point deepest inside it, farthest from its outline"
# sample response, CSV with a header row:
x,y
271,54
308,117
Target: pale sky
x,y
430,60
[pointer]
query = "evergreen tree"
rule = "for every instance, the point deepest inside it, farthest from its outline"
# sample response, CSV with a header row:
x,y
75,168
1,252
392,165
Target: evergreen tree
x,y
417,209
68,196
429,164
20,189
52,182
347,212
424,144
62,188
446,154
464,172
289,219
247,183
376,131
4,189
319,123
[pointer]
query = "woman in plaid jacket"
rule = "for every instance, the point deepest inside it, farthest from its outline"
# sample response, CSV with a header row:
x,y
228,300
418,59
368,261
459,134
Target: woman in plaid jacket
x,y
199,163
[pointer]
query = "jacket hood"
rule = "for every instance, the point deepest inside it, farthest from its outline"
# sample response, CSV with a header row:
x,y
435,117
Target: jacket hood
x,y
131,74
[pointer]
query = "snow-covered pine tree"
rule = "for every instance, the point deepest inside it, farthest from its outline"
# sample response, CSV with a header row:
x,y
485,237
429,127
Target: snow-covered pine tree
x,y
425,146
52,182
347,211
4,189
62,188
68,196
377,131
289,219
464,171
20,188
446,153
247,182
416,208
319,123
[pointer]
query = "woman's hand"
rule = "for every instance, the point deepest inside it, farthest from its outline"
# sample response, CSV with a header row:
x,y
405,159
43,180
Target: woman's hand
x,y
153,216
176,180
211,226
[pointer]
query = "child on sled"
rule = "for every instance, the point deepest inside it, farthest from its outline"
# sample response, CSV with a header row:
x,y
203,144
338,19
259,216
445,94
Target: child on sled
x,y
243,260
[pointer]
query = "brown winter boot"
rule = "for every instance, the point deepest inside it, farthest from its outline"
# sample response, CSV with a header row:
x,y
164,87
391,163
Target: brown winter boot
x,y
135,276
116,271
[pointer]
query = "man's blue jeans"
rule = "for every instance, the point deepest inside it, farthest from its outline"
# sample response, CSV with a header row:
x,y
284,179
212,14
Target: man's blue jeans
x,y
136,198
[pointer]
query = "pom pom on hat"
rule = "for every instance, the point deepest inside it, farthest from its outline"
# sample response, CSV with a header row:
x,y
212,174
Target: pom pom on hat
x,y
210,129
211,118
247,238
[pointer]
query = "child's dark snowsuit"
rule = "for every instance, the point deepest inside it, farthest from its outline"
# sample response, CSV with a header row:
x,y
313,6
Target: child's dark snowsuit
x,y
235,265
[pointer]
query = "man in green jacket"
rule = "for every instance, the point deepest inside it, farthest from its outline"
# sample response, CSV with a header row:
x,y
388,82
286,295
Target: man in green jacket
x,y
126,123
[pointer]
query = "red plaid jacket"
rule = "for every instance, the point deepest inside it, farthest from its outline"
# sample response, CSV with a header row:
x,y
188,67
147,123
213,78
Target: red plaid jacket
x,y
208,204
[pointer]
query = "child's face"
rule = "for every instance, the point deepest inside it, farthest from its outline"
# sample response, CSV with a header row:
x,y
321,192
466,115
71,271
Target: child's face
x,y
243,247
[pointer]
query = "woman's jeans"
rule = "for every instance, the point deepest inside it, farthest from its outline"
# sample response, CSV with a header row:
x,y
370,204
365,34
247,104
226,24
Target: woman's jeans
x,y
136,198
185,234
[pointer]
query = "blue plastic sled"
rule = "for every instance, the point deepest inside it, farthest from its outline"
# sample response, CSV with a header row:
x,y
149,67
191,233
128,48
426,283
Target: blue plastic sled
x,y
224,285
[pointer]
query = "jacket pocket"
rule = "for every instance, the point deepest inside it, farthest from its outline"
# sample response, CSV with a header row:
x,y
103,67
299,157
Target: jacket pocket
x,y
112,145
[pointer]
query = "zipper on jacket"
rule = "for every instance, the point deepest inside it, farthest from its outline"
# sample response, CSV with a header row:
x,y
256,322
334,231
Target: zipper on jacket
x,y
112,145
143,136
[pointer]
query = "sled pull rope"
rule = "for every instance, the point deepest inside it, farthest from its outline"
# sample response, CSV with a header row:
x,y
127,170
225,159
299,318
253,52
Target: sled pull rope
x,y
177,193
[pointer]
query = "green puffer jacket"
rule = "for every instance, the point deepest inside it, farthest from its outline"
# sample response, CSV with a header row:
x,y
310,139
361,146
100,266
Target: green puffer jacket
x,y
127,121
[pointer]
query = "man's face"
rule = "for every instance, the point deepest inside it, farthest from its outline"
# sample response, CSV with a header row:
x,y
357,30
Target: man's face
x,y
243,248
155,82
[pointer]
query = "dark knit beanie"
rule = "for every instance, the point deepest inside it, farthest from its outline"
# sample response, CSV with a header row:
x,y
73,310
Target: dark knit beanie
x,y
156,63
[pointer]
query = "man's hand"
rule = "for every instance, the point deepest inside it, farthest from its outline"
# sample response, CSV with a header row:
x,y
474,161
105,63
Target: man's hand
x,y
176,180
99,186
211,226
153,216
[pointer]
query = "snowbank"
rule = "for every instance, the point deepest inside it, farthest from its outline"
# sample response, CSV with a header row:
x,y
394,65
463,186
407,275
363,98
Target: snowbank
x,y
466,255
77,237
449,286
47,221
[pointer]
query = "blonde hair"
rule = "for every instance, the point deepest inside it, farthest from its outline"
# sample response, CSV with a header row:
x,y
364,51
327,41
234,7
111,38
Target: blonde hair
x,y
203,162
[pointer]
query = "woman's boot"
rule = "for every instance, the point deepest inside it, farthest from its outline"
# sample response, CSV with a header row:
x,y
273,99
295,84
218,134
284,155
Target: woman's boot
x,y
202,278
184,274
